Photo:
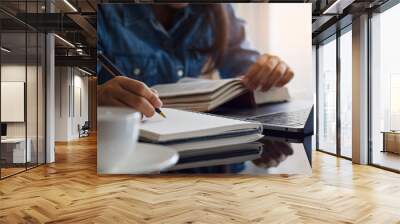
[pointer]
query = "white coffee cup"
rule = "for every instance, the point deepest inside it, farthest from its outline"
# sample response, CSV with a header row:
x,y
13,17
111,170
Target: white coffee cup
x,y
117,137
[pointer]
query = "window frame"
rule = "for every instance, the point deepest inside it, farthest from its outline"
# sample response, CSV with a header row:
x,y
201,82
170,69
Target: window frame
x,y
27,29
381,9
334,37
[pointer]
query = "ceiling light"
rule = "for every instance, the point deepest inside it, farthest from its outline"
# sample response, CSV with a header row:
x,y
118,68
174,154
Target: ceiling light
x,y
337,7
5,50
65,41
70,5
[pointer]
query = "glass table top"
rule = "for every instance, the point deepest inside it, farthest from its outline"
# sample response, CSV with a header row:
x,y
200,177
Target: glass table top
x,y
269,155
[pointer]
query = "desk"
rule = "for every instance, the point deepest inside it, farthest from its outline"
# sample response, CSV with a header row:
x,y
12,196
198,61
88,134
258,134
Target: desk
x,y
391,141
13,150
276,156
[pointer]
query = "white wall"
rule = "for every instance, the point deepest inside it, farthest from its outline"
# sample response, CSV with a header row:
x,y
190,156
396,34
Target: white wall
x,y
16,72
80,101
62,81
34,126
71,94
283,29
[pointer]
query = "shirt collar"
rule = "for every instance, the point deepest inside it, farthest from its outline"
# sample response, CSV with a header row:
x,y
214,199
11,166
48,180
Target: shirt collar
x,y
181,17
134,13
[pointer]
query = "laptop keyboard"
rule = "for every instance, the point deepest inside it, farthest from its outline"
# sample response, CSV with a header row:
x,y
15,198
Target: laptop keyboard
x,y
292,118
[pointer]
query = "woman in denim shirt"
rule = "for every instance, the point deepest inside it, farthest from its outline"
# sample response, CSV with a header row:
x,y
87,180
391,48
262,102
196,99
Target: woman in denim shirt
x,y
153,44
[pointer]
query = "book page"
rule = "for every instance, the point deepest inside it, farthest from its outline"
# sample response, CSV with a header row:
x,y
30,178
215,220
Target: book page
x,y
274,95
202,86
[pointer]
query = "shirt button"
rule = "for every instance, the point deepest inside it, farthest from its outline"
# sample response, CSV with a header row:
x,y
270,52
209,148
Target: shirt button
x,y
136,71
180,72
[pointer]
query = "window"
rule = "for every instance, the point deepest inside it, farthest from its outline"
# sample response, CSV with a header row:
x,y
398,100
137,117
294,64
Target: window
x,y
335,74
346,93
327,96
385,89
22,78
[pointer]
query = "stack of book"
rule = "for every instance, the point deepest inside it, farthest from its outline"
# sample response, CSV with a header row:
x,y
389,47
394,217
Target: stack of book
x,y
190,131
205,95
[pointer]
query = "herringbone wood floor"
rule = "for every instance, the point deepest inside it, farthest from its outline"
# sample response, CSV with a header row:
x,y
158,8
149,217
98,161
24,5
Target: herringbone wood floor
x,y
69,191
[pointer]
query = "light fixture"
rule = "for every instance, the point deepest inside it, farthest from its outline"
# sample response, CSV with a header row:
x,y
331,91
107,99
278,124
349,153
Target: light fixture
x,y
337,7
84,71
80,51
65,41
5,50
70,5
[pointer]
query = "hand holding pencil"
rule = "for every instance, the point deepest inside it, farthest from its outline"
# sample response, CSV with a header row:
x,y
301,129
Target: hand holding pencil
x,y
127,92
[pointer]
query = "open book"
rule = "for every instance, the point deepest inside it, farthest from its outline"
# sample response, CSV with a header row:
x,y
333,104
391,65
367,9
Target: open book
x,y
205,95
184,130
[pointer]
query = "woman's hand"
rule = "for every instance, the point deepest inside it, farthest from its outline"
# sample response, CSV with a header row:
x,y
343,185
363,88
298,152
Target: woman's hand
x,y
273,154
126,92
268,71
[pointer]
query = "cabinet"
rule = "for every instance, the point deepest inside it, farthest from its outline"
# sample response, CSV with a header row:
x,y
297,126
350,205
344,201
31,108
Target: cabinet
x,y
13,151
391,141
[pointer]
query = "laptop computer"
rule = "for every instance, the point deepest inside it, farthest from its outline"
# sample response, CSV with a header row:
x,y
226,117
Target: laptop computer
x,y
297,122
292,119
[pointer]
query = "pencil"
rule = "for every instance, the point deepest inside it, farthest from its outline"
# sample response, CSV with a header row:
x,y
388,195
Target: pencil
x,y
160,112
113,70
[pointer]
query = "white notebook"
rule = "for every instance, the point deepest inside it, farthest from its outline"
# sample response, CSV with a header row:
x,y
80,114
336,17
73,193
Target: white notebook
x,y
206,144
184,126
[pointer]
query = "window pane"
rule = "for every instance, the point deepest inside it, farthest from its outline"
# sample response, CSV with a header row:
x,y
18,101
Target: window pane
x,y
346,94
31,97
22,88
15,150
327,97
41,99
385,83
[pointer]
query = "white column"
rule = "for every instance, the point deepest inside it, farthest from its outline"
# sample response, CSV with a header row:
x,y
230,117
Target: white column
x,y
50,99
360,90
63,101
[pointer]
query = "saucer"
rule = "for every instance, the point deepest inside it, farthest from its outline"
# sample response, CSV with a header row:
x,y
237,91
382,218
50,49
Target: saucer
x,y
147,158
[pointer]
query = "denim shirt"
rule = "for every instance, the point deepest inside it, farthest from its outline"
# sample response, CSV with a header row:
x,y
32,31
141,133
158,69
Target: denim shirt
x,y
133,39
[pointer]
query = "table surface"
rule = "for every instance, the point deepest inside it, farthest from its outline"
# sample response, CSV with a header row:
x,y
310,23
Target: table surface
x,y
276,156
13,140
391,132
270,155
